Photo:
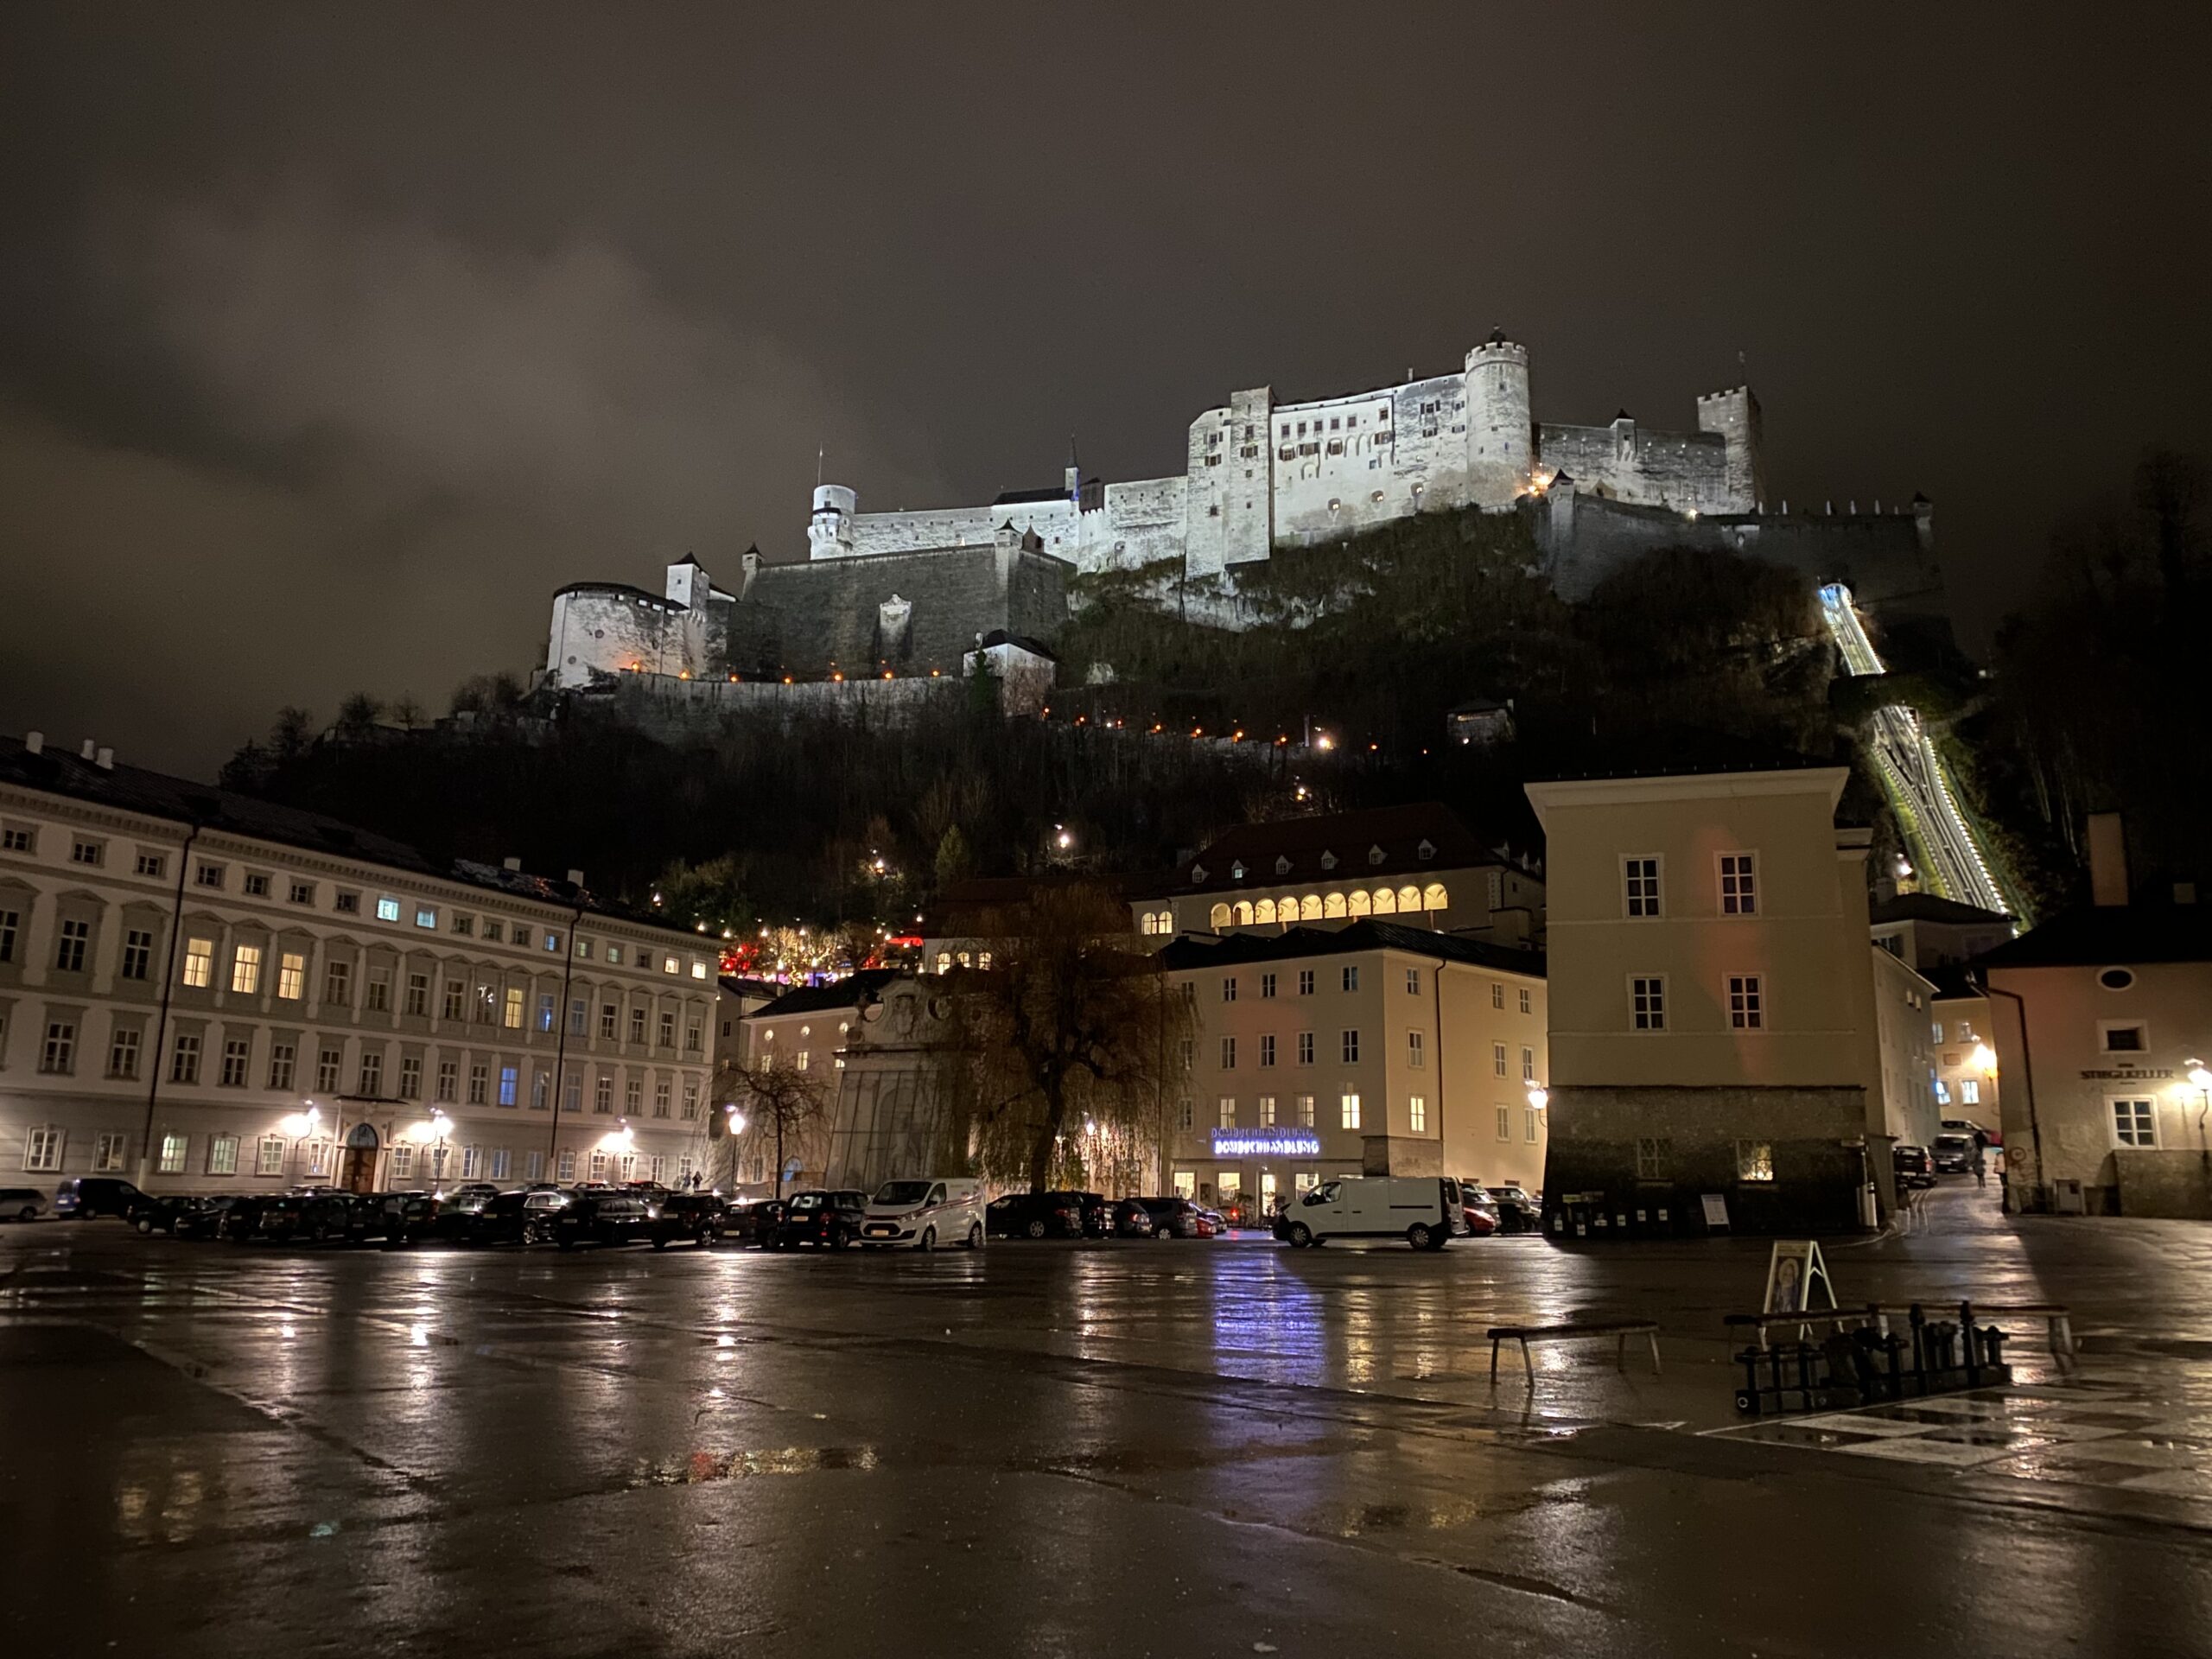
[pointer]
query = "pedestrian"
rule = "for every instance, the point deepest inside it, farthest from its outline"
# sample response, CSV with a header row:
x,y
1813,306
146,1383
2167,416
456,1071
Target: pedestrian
x,y
1980,1165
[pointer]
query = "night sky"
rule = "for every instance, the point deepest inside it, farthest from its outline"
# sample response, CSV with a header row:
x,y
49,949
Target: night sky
x,y
333,338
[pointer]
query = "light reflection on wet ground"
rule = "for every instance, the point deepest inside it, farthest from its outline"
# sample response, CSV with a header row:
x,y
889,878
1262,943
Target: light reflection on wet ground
x,y
1182,1447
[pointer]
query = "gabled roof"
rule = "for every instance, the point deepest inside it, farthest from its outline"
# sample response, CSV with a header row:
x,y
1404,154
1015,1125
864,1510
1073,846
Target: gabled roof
x,y
1024,498
1293,850
1237,948
2109,936
1931,907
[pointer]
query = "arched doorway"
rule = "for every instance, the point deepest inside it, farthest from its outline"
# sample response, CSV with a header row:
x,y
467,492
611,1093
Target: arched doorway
x,y
359,1173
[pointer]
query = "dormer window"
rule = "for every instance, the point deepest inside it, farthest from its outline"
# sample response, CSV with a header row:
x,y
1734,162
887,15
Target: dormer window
x,y
1374,855
1197,874
1237,871
1426,849
1328,860
1282,864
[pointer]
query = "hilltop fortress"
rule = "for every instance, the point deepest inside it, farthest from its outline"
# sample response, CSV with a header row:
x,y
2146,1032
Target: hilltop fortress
x,y
896,593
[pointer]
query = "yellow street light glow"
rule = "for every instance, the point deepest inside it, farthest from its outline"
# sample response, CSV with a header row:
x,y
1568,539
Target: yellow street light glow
x,y
1539,1096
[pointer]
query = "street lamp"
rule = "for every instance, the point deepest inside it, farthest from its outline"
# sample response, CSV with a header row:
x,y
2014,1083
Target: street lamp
x,y
1539,1096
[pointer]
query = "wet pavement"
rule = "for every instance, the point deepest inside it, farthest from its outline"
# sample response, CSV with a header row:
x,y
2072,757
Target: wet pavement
x,y
1176,1448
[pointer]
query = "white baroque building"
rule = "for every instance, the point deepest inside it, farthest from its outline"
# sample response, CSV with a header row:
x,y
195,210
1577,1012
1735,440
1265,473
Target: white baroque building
x,y
1261,475
203,992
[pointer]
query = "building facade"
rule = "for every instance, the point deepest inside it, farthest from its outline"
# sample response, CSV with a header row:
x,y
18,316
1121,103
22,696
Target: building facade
x,y
204,992
1377,1048
1714,1023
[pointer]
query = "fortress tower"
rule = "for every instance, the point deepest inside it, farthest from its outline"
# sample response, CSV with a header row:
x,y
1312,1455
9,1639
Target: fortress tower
x,y
829,530
1734,415
1501,438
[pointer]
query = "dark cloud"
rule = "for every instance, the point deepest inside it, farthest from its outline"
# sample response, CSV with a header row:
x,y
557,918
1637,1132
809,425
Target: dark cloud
x,y
332,338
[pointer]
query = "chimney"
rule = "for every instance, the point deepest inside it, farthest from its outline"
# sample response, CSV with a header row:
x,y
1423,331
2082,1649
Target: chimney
x,y
34,742
85,751
104,759
575,878
2107,859
510,863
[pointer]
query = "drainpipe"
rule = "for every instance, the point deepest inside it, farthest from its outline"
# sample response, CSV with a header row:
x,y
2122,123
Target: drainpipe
x,y
162,1019
2027,1080
560,1040
1436,989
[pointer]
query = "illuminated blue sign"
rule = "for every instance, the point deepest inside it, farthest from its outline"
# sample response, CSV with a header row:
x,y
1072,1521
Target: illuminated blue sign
x,y
1266,1144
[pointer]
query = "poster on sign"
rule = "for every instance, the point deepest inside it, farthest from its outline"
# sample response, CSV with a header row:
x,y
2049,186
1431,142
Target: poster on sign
x,y
1716,1210
1796,1274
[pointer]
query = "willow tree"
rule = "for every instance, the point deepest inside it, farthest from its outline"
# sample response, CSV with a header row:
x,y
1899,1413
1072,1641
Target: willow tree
x,y
1066,1040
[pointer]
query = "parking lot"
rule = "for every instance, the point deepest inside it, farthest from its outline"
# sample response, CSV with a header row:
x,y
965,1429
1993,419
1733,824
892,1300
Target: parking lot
x,y
1133,1447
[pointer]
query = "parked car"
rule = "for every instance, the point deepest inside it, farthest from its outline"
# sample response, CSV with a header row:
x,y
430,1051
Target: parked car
x,y
307,1218
1130,1219
405,1218
921,1214
687,1219
1424,1210
1171,1217
524,1217
1954,1153
1478,1215
1518,1210
752,1222
241,1215
610,1218
1035,1215
1969,1127
1211,1223
831,1219
82,1197
22,1204
1913,1165
202,1217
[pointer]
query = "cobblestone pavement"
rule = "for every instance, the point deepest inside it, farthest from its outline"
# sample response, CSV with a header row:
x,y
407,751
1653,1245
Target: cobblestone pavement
x,y
1181,1448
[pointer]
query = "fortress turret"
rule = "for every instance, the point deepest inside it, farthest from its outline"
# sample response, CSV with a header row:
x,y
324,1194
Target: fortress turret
x,y
829,532
1501,440
1734,414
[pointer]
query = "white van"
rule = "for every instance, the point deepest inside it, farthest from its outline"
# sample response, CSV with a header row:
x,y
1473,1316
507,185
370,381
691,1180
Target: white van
x,y
924,1213
1424,1210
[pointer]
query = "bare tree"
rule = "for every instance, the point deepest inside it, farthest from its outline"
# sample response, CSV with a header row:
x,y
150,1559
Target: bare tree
x,y
1064,1038
778,1101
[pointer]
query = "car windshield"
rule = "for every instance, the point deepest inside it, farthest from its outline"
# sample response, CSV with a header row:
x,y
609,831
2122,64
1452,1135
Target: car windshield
x,y
1950,1143
807,1201
902,1192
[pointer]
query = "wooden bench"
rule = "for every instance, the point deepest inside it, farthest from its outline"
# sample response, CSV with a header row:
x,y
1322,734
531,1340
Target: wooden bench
x,y
2058,1317
1620,1329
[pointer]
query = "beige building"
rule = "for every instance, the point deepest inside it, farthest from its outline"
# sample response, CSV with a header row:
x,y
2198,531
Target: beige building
x,y
1937,936
1931,932
1715,1028
1906,1024
201,991
1414,866
2102,1019
1374,1048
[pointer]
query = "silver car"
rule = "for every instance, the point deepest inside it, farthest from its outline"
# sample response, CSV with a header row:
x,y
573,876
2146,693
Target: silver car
x,y
22,1204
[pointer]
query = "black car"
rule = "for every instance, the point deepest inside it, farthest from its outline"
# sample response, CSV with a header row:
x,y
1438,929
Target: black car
x,y
1912,1164
1173,1218
405,1218
241,1216
1129,1218
1953,1153
522,1217
610,1218
1517,1209
83,1196
22,1204
687,1219
753,1222
200,1217
829,1219
1035,1215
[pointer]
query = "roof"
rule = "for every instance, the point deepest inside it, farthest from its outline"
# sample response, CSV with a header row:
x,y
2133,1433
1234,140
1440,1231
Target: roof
x,y
1019,642
837,994
181,801
738,985
1237,948
1929,907
1022,497
2098,935
624,588
1481,706
1292,849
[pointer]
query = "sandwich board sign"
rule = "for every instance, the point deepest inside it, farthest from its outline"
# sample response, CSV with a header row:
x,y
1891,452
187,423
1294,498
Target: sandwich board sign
x,y
1716,1209
1796,1274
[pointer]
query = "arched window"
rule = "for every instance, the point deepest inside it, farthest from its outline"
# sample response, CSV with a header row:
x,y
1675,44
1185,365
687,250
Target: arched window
x,y
1332,907
1243,913
1147,923
1167,920
1219,917
1386,902
1263,910
944,966
1436,898
1357,904
1309,908
1408,900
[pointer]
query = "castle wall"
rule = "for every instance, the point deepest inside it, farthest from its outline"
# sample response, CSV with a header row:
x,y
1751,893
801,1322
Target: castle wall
x,y
1142,522
607,628
1347,464
1686,470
